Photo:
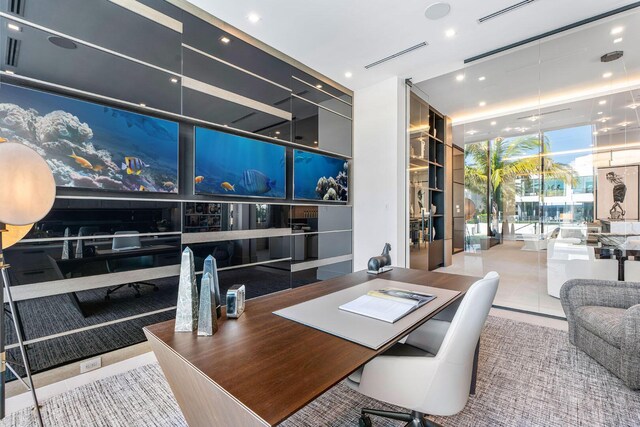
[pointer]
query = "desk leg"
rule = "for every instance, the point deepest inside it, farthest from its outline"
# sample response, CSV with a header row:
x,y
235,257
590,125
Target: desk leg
x,y
474,372
203,402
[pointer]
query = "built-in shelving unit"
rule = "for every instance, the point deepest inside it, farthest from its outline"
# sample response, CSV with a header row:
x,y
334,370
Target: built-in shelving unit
x,y
427,162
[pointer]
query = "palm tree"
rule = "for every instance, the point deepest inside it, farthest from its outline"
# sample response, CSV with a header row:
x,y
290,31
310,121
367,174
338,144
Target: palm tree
x,y
509,159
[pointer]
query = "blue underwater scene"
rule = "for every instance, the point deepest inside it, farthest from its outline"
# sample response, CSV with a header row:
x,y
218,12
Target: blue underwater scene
x,y
233,165
92,146
320,177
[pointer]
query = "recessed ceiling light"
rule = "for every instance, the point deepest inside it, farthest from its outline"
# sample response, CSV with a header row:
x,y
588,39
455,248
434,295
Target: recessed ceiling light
x,y
600,112
277,132
472,132
623,124
9,71
494,123
460,77
481,78
225,39
450,32
225,125
602,102
174,80
604,130
348,74
482,103
253,17
14,27
604,120
634,105
617,30
437,11
142,104
595,133
618,40
315,142
62,42
507,129
318,86
607,75
533,118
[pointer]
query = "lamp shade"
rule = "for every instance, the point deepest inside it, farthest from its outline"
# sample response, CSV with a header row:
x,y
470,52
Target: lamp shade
x,y
27,187
13,234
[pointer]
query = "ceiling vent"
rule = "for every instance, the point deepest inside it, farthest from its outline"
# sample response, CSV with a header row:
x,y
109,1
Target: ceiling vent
x,y
505,10
16,7
534,117
611,56
13,47
395,55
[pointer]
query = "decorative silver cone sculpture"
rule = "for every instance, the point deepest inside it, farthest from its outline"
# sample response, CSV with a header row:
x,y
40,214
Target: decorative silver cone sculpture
x,y
67,246
79,248
187,310
211,266
207,323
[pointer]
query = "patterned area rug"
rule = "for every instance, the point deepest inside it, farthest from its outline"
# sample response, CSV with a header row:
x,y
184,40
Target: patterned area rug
x,y
528,376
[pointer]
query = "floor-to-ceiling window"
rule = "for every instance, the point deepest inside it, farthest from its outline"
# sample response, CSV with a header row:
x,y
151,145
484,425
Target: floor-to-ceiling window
x,y
551,139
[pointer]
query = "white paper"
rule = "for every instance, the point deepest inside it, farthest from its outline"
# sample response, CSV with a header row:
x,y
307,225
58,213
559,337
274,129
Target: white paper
x,y
379,308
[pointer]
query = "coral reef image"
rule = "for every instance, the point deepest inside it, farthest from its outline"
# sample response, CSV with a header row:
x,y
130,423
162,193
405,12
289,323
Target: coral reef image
x,y
92,146
233,165
319,177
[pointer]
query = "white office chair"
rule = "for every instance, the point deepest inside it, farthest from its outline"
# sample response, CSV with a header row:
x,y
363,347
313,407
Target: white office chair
x,y
431,372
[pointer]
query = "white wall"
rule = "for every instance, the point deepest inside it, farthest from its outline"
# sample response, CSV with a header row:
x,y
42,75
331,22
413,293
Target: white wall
x,y
379,191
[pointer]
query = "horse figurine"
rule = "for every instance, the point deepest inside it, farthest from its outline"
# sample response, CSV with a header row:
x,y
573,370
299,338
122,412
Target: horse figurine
x,y
377,262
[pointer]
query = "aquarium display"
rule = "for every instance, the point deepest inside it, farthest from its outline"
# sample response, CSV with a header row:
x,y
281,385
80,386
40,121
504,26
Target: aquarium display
x,y
233,165
92,146
320,177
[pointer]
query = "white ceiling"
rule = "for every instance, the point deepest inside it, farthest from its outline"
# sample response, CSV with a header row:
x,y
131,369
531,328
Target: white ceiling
x,y
557,82
335,36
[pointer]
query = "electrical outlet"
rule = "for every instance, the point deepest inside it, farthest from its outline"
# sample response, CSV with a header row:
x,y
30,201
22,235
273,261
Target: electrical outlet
x,y
90,365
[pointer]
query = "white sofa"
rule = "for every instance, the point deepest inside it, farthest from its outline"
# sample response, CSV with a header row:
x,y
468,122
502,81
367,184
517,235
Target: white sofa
x,y
567,261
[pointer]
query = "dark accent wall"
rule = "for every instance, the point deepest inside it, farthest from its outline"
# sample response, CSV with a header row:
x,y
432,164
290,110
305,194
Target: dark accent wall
x,y
181,70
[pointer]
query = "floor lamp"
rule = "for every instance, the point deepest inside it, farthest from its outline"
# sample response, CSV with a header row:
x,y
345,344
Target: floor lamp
x,y
26,196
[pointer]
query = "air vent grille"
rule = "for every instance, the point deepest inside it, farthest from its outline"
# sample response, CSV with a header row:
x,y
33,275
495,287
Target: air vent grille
x,y
395,55
543,114
13,47
505,10
16,7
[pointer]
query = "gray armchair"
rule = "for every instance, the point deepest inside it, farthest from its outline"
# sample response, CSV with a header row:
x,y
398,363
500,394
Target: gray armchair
x,y
604,322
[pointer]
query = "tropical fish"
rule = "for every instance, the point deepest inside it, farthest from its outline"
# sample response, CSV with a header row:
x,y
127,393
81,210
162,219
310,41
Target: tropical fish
x,y
227,186
302,157
3,140
256,182
168,184
151,126
81,161
133,165
143,188
98,168
199,179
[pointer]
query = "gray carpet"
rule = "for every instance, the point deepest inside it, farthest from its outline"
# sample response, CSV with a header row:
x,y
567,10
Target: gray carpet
x,y
528,376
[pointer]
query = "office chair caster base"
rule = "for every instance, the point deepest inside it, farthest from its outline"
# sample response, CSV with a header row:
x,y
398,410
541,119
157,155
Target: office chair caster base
x,y
365,421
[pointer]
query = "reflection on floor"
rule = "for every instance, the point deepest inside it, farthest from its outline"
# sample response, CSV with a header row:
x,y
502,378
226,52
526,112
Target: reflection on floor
x,y
523,276
53,317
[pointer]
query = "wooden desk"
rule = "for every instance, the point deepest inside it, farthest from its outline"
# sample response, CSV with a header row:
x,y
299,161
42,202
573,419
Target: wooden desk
x,y
260,369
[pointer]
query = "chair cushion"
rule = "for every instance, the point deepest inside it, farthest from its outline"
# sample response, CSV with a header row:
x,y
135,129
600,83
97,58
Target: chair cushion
x,y
605,322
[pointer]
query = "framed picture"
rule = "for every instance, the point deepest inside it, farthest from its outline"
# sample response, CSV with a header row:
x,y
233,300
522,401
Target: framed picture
x,y
617,193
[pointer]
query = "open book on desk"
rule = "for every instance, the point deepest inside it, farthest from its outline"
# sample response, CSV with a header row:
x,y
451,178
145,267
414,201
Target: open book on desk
x,y
389,305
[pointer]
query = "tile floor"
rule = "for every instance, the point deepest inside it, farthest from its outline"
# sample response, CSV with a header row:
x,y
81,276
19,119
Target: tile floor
x,y
523,276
